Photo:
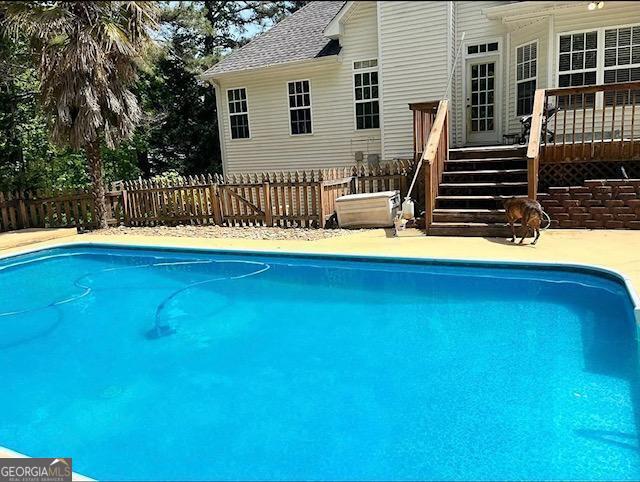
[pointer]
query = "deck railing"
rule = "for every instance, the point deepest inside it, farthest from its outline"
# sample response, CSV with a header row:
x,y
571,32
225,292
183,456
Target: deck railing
x,y
431,145
582,125
598,122
533,149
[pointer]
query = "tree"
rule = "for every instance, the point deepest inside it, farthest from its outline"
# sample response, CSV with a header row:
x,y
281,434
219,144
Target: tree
x,y
179,130
88,57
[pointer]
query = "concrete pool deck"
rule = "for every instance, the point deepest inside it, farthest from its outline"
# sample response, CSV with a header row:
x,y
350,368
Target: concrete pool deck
x,y
24,237
614,249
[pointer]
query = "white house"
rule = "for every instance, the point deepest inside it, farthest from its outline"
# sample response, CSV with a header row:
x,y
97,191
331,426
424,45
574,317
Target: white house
x,y
331,84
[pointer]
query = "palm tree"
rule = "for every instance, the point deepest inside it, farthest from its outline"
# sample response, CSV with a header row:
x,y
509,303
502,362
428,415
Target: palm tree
x,y
88,54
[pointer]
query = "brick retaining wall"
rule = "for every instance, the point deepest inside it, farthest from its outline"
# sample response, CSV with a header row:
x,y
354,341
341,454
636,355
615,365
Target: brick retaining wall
x,y
597,204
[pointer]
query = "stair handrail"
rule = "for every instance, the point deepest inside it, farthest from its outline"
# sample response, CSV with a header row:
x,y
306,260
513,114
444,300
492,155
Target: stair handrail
x,y
434,155
533,148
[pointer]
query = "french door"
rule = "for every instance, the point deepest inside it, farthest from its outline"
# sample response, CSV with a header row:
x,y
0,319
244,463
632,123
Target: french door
x,y
483,102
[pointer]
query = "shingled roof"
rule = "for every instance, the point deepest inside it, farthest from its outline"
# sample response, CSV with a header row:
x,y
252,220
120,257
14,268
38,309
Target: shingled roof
x,y
297,37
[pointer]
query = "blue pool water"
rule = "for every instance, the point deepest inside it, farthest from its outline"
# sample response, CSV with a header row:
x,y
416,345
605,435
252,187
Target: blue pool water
x,y
315,368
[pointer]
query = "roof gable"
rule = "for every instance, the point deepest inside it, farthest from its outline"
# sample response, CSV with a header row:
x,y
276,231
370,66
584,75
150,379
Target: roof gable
x,y
296,38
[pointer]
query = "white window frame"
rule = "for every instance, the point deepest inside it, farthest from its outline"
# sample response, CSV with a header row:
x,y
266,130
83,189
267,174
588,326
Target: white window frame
x,y
355,71
492,40
499,96
630,65
289,108
599,53
599,60
229,114
534,41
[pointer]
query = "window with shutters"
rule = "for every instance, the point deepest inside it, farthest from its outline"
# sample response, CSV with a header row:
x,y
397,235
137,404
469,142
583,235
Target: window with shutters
x,y
608,55
621,60
526,75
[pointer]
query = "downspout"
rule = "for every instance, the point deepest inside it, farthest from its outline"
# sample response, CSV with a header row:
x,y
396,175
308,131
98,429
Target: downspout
x,y
506,95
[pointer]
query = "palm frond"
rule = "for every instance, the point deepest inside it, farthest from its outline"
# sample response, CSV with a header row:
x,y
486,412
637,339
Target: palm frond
x,y
89,57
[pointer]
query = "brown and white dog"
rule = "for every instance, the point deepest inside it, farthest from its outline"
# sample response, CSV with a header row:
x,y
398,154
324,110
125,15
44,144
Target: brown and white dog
x,y
529,212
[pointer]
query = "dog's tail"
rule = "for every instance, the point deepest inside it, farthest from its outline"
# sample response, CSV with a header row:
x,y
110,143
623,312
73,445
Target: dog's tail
x,y
548,220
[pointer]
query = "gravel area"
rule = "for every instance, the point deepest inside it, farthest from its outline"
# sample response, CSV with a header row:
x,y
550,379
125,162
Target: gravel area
x,y
228,232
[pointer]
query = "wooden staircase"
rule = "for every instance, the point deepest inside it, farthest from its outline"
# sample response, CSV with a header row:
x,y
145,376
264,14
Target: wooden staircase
x,y
464,189
475,183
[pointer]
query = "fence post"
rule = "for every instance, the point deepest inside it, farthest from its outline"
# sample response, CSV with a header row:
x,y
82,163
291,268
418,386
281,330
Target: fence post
x,y
125,207
352,186
21,210
268,213
215,202
323,204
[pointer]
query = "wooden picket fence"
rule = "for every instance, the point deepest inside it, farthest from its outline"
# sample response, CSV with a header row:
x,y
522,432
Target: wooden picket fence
x,y
24,209
284,199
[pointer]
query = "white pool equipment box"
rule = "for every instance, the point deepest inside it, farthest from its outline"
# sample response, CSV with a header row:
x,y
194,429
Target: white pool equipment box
x,y
368,210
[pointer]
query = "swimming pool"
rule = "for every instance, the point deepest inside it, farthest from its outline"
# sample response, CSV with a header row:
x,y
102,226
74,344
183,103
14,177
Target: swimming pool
x,y
170,364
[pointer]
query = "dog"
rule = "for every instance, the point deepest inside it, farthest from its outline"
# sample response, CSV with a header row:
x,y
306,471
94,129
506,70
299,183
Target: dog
x,y
530,212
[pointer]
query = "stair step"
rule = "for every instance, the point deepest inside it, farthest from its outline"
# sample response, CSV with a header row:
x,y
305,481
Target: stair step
x,y
469,229
469,211
469,215
478,198
493,163
483,152
483,189
488,159
484,184
488,171
494,201
485,175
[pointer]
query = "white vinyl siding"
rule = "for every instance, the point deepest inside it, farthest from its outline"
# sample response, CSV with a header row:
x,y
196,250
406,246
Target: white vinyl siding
x,y
537,32
478,30
300,117
414,62
335,140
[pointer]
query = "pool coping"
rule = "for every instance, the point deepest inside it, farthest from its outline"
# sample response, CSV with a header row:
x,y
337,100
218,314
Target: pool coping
x,y
610,273
603,271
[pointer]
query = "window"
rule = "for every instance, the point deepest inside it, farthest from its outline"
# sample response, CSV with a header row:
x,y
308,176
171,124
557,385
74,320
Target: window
x,y
299,107
238,113
526,72
621,60
482,96
577,65
365,82
482,48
